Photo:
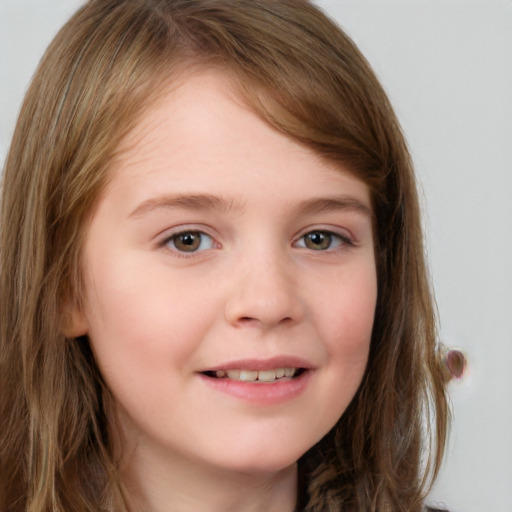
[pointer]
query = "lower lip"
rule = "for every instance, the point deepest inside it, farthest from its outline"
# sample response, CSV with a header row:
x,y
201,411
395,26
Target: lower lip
x,y
261,393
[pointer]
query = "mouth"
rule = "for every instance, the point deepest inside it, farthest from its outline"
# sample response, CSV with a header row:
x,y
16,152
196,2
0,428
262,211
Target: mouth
x,y
261,382
263,376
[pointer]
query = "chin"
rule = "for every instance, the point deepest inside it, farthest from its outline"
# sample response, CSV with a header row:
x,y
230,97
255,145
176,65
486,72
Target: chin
x,y
266,461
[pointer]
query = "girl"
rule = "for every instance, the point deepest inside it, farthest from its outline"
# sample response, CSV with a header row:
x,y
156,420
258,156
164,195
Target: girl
x,y
214,293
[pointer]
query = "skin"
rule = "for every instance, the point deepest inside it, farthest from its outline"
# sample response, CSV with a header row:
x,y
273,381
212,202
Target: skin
x,y
249,286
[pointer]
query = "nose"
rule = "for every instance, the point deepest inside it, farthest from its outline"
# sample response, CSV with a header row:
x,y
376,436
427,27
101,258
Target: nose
x,y
264,293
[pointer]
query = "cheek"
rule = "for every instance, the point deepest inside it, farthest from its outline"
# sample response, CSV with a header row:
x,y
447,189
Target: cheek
x,y
347,324
349,312
140,324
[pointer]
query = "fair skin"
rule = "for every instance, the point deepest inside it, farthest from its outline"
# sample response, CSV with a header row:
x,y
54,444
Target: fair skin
x,y
223,251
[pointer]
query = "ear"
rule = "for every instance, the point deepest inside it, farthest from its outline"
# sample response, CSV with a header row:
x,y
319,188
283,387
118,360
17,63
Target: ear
x,y
73,322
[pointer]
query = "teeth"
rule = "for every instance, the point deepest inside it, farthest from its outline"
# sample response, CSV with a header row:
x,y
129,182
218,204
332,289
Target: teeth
x,y
289,372
233,374
248,375
255,375
267,375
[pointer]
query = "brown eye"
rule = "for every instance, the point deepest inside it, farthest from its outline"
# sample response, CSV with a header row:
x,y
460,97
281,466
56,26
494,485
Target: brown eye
x,y
190,241
318,240
322,240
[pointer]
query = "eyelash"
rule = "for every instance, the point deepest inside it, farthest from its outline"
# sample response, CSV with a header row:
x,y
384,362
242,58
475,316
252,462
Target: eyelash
x,y
200,236
337,239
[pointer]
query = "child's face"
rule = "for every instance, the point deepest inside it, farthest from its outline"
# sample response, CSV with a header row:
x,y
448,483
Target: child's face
x,y
222,245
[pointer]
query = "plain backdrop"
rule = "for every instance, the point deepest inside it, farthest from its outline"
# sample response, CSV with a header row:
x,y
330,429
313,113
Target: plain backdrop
x,y
446,65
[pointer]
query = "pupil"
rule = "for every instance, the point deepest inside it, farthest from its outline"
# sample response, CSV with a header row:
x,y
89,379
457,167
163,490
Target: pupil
x,y
318,240
188,239
187,242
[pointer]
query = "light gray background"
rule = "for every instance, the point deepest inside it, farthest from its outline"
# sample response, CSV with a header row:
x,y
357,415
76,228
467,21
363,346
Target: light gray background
x,y
447,66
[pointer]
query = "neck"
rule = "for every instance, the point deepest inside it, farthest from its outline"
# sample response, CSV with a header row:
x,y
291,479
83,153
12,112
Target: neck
x,y
165,485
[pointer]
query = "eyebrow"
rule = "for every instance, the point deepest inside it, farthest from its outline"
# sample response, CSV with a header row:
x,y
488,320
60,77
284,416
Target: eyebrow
x,y
333,203
196,202
209,202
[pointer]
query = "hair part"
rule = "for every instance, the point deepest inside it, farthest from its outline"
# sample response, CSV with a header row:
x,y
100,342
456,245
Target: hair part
x,y
307,79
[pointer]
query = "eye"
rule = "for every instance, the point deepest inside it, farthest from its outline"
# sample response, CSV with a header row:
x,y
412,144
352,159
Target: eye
x,y
322,240
190,241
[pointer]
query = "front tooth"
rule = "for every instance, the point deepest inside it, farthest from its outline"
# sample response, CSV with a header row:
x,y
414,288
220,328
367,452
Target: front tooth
x,y
266,375
233,374
248,375
289,372
279,373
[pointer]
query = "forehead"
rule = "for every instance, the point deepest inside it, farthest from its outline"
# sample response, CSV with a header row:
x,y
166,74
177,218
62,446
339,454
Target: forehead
x,y
201,133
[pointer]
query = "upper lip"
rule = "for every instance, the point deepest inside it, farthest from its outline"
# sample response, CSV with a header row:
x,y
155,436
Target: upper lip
x,y
263,364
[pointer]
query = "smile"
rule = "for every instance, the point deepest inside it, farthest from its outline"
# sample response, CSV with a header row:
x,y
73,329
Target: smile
x,y
243,375
267,386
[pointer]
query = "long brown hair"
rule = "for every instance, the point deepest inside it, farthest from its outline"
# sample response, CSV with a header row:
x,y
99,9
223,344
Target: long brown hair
x,y
306,78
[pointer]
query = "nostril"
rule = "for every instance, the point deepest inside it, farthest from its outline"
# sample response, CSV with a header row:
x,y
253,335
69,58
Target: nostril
x,y
246,320
250,319
262,306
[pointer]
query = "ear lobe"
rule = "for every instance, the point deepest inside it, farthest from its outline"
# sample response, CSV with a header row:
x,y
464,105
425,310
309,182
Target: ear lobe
x,y
73,322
